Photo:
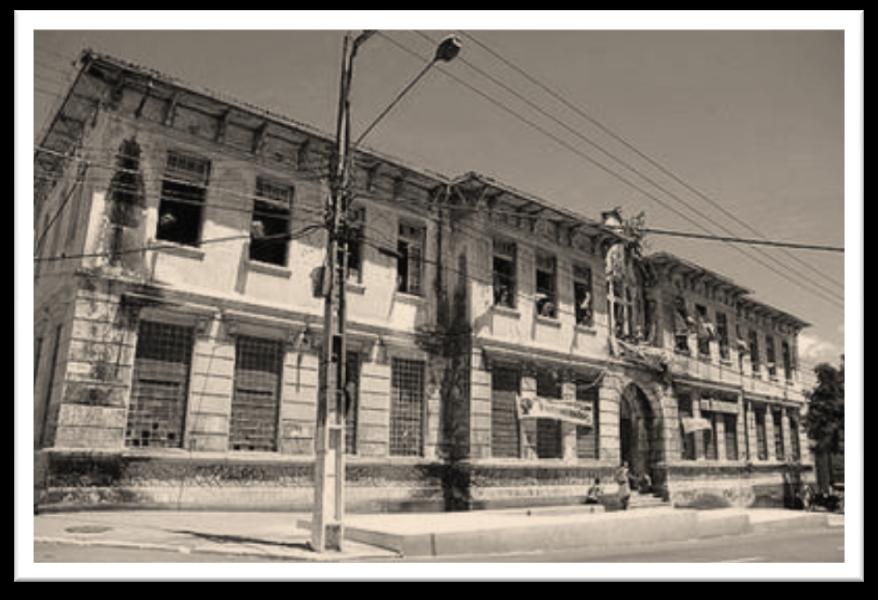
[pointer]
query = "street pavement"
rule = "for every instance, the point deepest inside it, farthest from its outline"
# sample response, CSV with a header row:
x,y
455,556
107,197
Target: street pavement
x,y
242,536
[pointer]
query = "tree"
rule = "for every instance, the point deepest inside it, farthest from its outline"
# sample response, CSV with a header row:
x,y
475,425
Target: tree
x,y
825,420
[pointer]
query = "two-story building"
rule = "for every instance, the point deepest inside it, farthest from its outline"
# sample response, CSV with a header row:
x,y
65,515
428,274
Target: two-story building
x,y
178,318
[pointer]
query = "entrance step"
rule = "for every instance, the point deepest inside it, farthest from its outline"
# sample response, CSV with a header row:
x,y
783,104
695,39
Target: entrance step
x,y
646,501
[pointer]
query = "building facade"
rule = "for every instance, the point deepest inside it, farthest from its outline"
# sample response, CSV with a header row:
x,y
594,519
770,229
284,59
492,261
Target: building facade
x,y
178,318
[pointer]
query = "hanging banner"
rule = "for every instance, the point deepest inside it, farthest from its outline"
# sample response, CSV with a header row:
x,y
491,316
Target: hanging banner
x,y
691,424
709,405
571,411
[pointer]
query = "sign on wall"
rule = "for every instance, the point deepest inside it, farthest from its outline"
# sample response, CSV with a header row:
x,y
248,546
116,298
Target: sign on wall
x,y
571,411
709,405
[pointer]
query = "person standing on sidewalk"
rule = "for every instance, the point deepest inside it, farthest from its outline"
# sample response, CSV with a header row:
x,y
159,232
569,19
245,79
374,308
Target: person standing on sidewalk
x,y
624,487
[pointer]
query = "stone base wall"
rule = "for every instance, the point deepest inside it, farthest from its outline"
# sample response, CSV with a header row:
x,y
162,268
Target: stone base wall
x,y
77,480
720,486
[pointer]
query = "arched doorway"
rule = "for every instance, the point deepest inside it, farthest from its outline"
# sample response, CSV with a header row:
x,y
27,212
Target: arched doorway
x,y
637,425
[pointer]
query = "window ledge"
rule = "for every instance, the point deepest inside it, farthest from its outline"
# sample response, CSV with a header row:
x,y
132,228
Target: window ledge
x,y
177,249
726,362
269,268
409,298
586,329
506,310
550,321
355,287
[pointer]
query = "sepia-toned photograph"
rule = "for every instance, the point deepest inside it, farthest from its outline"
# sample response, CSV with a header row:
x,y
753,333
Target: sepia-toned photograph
x,y
380,295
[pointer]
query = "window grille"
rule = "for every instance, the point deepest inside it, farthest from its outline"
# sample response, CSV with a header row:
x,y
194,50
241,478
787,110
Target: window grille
x,y
407,407
505,440
587,438
409,264
778,435
546,286
157,410
761,441
271,218
352,389
548,430
582,291
504,277
183,197
731,434
687,446
258,378
795,448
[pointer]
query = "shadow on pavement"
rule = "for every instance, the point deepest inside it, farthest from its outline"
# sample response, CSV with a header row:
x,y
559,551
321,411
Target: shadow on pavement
x,y
239,539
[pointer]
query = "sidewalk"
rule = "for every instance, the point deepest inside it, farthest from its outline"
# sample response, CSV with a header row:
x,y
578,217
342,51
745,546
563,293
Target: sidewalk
x,y
285,536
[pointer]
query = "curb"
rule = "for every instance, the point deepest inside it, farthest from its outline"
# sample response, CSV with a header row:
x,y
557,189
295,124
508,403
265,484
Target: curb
x,y
180,549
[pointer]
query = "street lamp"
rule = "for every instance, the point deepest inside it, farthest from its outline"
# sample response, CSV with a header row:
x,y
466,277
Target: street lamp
x,y
327,523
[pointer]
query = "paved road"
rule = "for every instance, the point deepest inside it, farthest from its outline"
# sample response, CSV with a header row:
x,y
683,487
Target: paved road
x,y
822,545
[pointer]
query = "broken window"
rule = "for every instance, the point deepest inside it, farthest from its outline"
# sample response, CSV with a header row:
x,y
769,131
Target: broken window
x,y
184,189
258,375
161,380
409,262
582,292
549,442
769,356
406,407
722,332
127,197
681,325
546,285
504,273
754,352
271,222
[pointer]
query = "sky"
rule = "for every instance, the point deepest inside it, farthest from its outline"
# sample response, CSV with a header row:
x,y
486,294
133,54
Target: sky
x,y
752,119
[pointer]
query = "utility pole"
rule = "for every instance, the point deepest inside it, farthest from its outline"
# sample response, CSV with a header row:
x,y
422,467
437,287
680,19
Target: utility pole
x,y
327,523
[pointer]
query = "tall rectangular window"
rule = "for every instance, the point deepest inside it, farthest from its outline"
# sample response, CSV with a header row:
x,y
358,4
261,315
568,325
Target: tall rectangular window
x,y
44,438
787,360
731,436
355,226
157,411
722,332
582,295
184,190
777,421
687,440
761,441
710,444
546,286
704,330
549,444
271,222
406,407
769,356
795,449
409,264
256,400
588,438
504,269
754,353
352,401
505,439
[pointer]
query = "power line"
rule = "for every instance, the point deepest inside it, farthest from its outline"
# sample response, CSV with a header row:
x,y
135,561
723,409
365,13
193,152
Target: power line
x,y
626,165
597,123
591,160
